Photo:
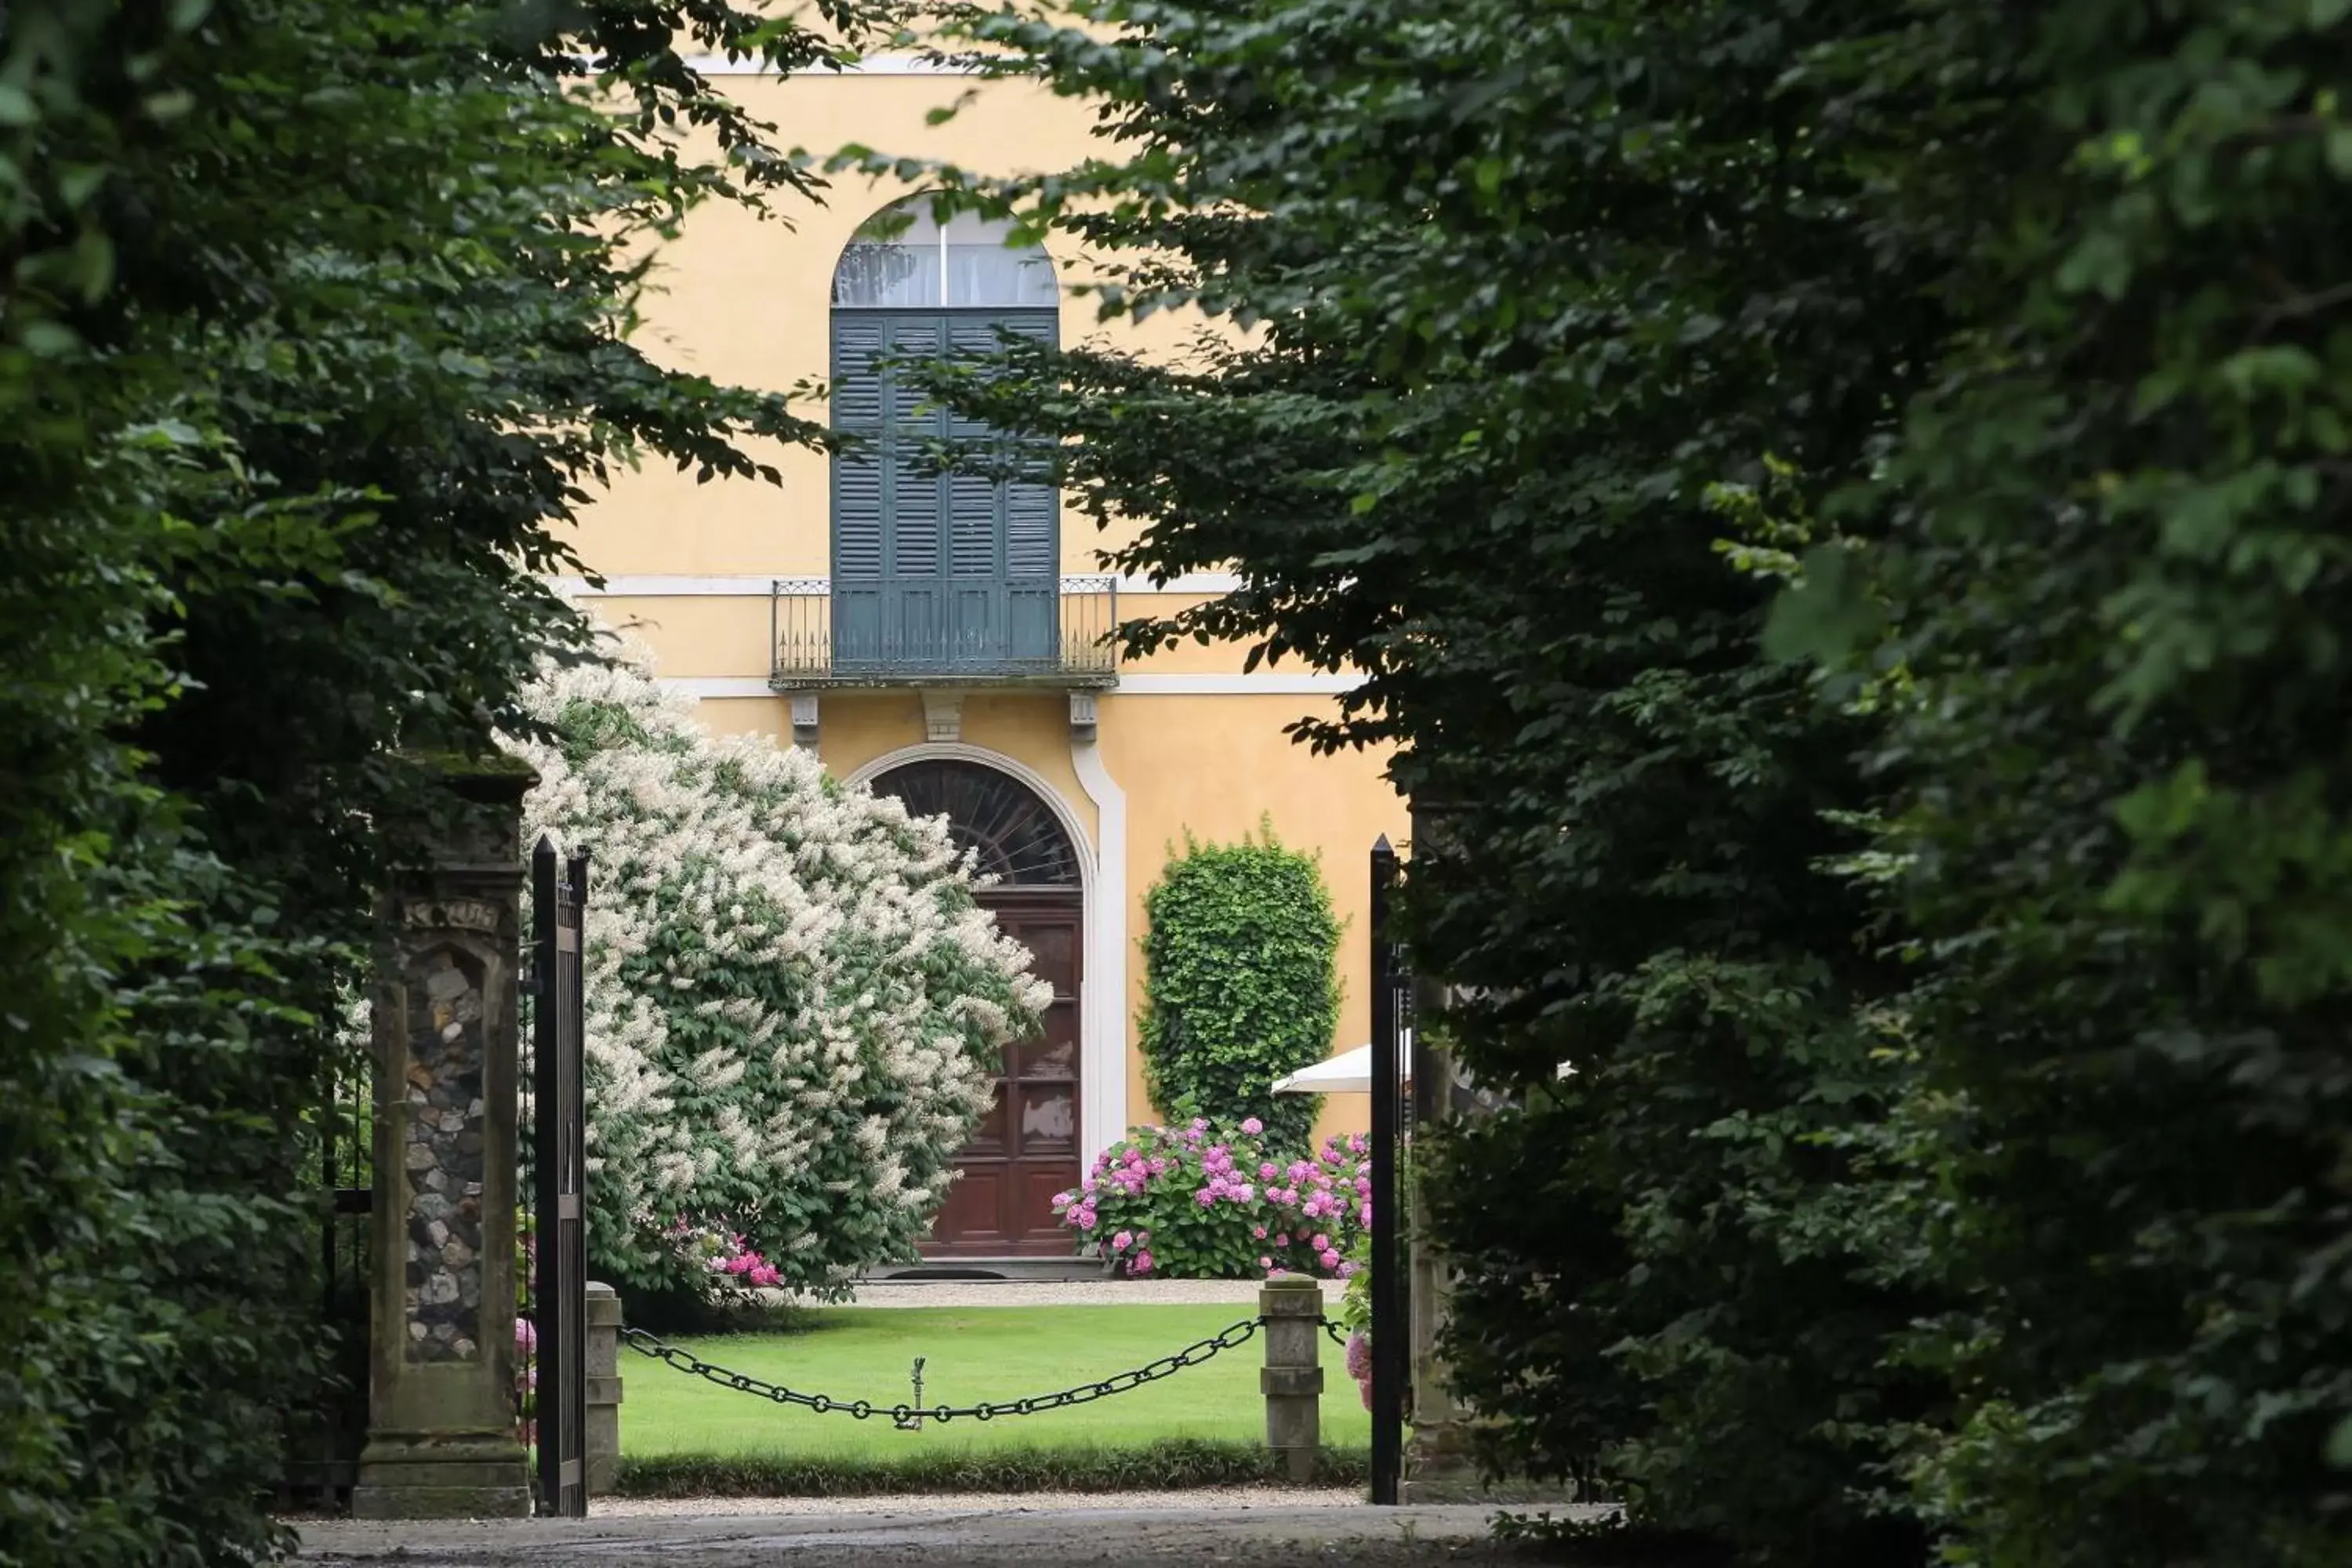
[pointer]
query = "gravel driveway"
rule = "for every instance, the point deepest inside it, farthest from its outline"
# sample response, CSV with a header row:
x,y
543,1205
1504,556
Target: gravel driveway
x,y
1265,1526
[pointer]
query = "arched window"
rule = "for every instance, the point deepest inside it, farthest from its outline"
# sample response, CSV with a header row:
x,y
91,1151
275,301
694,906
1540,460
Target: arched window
x,y
935,572
905,258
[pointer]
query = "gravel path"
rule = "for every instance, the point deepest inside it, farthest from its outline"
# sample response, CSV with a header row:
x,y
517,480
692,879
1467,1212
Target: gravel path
x,y
1270,1527
1065,1293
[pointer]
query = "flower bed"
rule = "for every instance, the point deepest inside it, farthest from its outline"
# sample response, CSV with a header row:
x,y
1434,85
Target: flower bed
x,y
1204,1203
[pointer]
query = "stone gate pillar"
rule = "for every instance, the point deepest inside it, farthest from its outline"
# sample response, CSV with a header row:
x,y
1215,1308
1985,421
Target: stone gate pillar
x,y
441,1419
1439,1464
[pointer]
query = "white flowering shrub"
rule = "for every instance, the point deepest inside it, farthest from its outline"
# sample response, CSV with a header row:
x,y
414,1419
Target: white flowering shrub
x,y
793,1005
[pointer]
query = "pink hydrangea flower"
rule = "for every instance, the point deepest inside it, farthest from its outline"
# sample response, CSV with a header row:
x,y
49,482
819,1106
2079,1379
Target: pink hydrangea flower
x,y
1283,1239
1257,1233
1142,1264
1321,1244
526,1336
1265,1263
1253,1126
1328,1259
1122,1241
1267,1170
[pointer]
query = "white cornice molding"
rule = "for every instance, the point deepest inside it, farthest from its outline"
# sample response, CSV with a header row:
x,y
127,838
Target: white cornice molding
x,y
1274,683
657,587
1279,683
719,688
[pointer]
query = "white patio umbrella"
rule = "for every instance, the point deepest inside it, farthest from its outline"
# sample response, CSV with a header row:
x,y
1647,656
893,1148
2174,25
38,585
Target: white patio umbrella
x,y
1349,1072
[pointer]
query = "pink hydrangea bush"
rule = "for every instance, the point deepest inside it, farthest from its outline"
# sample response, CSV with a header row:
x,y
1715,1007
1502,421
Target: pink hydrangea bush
x,y
1199,1201
731,1263
526,1375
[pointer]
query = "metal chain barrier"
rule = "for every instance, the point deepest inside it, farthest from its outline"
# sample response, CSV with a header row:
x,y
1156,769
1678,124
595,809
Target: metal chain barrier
x,y
685,1360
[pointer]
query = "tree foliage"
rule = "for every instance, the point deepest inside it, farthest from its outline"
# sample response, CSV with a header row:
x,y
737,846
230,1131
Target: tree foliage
x,y
795,1010
2114,585
1949,948
313,334
1240,984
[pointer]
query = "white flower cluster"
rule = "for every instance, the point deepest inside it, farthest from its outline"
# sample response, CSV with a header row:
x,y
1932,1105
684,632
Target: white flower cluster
x,y
794,1007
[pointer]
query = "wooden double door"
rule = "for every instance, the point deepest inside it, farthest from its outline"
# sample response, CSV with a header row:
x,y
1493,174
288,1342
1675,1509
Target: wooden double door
x,y
1028,1148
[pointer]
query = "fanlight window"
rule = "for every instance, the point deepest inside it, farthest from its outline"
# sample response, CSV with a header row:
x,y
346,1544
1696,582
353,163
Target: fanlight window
x,y
1017,836
904,258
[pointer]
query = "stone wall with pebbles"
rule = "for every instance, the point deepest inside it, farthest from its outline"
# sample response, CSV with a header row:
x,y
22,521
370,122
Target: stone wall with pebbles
x,y
443,1156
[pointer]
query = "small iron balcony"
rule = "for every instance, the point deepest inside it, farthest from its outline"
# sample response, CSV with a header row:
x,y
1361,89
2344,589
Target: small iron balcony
x,y
943,632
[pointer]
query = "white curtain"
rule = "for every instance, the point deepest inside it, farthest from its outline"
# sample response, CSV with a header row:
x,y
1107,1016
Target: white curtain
x,y
967,264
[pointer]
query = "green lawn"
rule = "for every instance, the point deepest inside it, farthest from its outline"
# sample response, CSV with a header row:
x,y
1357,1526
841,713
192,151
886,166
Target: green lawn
x,y
971,1354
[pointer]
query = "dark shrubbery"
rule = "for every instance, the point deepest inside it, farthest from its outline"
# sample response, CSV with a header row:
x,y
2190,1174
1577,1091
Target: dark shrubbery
x,y
1844,508
312,337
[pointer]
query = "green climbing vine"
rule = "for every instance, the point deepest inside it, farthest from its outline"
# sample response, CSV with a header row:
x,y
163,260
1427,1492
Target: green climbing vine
x,y
1241,983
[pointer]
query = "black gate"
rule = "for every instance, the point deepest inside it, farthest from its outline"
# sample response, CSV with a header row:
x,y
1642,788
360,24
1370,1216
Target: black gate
x,y
325,1435
557,1422
1391,999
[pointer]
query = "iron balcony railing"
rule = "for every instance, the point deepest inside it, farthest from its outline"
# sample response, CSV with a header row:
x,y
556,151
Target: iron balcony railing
x,y
917,631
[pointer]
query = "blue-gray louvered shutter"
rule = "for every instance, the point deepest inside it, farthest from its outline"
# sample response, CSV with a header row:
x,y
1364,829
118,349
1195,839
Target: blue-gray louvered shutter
x,y
916,506
1004,559
888,565
858,493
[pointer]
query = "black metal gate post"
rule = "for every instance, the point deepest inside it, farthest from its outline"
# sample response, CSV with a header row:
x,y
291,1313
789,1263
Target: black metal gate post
x,y
1390,1311
559,1149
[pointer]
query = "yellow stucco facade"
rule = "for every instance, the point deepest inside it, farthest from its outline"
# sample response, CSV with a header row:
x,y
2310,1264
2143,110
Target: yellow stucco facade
x,y
1182,741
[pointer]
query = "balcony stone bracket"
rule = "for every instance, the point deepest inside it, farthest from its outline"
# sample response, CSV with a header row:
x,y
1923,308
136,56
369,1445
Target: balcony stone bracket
x,y
1082,716
805,720
944,717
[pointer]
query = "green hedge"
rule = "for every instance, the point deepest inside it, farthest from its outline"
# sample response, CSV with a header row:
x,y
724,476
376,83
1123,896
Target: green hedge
x,y
1241,984
1175,1464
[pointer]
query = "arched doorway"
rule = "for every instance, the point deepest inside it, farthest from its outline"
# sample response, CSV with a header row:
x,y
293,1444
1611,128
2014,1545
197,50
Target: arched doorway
x,y
1028,1148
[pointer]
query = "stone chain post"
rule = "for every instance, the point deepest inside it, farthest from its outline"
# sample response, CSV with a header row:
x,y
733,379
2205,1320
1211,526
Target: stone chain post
x,y
1292,1380
603,1349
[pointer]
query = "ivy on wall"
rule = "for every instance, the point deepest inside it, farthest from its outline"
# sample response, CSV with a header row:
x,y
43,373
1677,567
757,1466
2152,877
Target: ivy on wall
x,y
1241,983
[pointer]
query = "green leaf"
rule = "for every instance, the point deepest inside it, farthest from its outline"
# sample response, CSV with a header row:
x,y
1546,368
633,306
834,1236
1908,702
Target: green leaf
x,y
1826,617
